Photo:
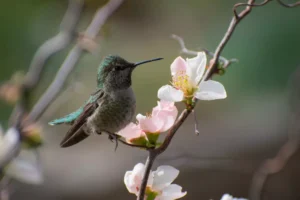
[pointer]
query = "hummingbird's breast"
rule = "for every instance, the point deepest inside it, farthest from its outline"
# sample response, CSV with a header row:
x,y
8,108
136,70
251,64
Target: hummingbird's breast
x,y
115,111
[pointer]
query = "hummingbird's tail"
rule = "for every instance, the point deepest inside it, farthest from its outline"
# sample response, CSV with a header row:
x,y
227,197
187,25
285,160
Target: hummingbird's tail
x,y
78,136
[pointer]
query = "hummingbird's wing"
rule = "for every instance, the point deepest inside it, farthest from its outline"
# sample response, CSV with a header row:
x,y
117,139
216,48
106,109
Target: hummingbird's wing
x,y
70,118
76,133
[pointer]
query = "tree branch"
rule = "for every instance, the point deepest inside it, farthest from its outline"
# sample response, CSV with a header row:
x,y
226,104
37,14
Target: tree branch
x,y
232,26
72,59
45,51
287,150
208,75
291,5
149,162
272,166
187,51
60,41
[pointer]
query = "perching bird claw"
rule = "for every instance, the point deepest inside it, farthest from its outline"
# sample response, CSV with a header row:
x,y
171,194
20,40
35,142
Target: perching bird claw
x,y
112,137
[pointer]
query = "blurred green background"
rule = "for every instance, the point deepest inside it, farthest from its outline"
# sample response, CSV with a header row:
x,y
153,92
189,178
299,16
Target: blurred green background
x,y
237,133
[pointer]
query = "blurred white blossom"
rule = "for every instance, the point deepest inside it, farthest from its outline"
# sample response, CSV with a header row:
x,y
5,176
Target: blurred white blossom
x,y
25,167
229,197
159,185
8,143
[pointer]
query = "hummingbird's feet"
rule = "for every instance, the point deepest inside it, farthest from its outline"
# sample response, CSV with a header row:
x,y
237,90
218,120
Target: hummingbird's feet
x,y
113,137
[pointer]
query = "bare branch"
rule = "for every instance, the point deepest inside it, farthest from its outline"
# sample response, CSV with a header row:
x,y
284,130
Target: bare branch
x,y
233,24
248,4
183,49
55,44
72,59
187,51
272,166
287,150
149,162
291,5
46,50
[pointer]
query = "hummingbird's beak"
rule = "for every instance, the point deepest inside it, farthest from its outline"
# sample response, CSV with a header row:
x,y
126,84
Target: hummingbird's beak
x,y
146,61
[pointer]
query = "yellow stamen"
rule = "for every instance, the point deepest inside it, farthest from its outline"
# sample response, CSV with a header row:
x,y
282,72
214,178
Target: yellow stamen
x,y
181,82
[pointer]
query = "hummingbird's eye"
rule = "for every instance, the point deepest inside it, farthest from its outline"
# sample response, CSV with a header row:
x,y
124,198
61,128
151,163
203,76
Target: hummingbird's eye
x,y
118,68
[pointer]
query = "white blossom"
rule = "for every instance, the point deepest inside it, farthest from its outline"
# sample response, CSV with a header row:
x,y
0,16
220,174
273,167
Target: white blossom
x,y
187,81
159,182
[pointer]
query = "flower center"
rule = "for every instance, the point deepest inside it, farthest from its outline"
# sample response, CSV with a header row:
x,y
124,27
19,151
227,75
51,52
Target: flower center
x,y
181,82
150,193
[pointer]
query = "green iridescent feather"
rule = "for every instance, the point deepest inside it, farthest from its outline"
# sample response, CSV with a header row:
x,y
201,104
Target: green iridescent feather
x,y
70,118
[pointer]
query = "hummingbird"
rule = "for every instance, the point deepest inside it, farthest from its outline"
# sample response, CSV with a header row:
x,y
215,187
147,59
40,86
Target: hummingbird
x,y
110,108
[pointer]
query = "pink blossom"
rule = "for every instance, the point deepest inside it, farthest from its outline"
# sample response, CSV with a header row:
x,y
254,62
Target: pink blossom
x,y
131,132
162,118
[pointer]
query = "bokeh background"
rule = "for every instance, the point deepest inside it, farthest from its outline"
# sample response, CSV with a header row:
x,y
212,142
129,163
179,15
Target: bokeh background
x,y
236,134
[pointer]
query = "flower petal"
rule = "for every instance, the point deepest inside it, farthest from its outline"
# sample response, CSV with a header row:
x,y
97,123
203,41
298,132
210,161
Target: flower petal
x,y
229,197
8,143
129,183
168,119
196,67
210,90
133,179
169,93
26,168
164,176
178,65
151,124
226,197
163,105
131,131
171,192
167,112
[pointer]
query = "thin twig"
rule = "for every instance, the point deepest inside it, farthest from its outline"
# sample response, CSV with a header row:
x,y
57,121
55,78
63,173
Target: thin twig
x,y
187,51
149,162
54,45
233,24
291,5
248,4
72,59
48,49
287,150
272,166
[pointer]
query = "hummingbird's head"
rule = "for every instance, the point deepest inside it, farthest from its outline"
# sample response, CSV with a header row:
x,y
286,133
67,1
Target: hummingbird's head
x,y
115,72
